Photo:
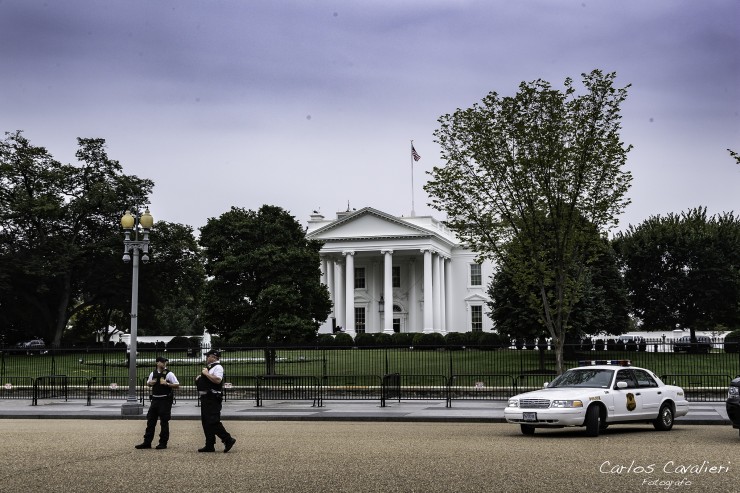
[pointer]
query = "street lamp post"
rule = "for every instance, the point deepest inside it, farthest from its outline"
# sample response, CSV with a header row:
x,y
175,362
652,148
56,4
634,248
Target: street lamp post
x,y
135,246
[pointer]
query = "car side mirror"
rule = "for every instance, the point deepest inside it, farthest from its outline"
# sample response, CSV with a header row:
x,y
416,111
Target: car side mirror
x,y
622,385
544,386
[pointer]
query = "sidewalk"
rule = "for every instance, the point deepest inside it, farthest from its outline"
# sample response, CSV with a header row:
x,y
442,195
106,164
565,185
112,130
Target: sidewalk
x,y
704,413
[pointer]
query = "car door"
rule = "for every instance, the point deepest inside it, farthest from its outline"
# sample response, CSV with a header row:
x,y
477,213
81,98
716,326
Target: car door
x,y
649,394
627,400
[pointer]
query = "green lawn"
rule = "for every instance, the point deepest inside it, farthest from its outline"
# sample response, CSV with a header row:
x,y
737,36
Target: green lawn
x,y
352,364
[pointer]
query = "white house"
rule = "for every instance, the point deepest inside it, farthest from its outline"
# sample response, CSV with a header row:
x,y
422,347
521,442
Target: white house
x,y
412,267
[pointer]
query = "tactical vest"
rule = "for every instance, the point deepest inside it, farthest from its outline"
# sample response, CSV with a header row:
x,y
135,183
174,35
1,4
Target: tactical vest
x,y
204,384
158,388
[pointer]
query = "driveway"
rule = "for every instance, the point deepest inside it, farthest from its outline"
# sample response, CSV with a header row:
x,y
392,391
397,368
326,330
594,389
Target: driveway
x,y
68,456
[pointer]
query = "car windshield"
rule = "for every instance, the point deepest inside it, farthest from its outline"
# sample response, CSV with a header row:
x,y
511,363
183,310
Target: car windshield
x,y
584,378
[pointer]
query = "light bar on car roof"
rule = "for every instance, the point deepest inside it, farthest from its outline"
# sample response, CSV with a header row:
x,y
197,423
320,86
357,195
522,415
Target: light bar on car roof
x,y
617,362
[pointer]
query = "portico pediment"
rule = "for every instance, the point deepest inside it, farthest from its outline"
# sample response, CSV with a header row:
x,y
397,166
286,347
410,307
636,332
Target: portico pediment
x,y
368,223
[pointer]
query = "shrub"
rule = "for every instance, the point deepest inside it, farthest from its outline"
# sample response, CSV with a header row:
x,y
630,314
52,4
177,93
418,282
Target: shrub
x,y
182,342
364,340
455,339
473,337
599,345
429,341
383,339
490,340
343,340
402,339
325,340
732,342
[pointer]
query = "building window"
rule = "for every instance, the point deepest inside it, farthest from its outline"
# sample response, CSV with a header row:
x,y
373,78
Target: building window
x,y
476,318
359,278
396,276
476,278
360,319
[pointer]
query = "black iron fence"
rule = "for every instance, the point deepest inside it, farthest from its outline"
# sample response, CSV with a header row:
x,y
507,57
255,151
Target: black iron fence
x,y
376,373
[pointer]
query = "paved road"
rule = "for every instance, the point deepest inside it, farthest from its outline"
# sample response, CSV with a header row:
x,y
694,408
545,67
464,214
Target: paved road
x,y
705,413
69,456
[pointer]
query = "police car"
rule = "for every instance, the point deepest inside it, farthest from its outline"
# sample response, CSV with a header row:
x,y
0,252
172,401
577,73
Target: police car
x,y
733,402
597,394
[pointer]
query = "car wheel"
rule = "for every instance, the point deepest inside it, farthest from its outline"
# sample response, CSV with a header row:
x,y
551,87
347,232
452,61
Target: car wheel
x,y
527,429
593,421
664,421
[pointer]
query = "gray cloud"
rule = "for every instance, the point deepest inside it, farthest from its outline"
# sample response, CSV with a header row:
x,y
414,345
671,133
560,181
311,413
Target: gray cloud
x,y
310,104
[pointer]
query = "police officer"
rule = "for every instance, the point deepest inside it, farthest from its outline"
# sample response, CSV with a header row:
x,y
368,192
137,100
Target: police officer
x,y
163,382
210,385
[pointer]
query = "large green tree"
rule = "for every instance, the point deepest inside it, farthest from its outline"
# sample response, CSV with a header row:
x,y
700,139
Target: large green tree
x,y
264,278
170,289
601,308
59,232
530,167
683,270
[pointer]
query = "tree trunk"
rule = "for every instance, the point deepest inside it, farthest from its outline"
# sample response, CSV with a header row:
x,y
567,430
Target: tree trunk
x,y
61,315
269,361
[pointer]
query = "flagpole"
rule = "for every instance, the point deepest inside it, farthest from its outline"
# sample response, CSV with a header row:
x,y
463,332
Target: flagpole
x,y
411,156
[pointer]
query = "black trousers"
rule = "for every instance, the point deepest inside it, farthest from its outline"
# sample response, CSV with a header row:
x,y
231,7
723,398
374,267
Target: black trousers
x,y
159,409
210,418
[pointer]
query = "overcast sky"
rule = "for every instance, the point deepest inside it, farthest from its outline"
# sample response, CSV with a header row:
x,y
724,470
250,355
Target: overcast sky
x,y
311,105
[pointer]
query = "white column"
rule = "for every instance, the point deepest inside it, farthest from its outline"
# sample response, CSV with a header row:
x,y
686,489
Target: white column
x,y
388,291
443,295
329,281
377,292
339,294
436,290
428,313
349,272
448,304
413,299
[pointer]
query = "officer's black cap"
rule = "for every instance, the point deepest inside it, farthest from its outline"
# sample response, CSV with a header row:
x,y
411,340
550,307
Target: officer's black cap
x,y
162,359
214,352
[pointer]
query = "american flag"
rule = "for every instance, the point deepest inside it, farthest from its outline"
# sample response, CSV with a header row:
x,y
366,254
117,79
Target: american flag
x,y
414,154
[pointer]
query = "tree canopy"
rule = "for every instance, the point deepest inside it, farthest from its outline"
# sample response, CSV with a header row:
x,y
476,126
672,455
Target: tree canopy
x,y
683,270
602,307
264,278
59,232
545,167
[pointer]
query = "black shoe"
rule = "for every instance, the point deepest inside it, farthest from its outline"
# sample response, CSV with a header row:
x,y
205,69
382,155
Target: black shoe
x,y
143,445
229,444
161,446
207,449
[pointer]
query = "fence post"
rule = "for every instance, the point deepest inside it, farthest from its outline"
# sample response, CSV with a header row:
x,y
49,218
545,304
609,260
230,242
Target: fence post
x,y
323,359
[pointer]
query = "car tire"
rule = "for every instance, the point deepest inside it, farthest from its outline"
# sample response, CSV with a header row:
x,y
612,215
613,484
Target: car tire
x,y
527,429
664,421
593,421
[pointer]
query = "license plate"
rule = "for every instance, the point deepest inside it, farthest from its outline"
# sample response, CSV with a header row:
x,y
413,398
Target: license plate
x,y
529,416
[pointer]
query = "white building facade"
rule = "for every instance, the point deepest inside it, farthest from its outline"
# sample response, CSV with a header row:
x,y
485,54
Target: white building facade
x,y
399,274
